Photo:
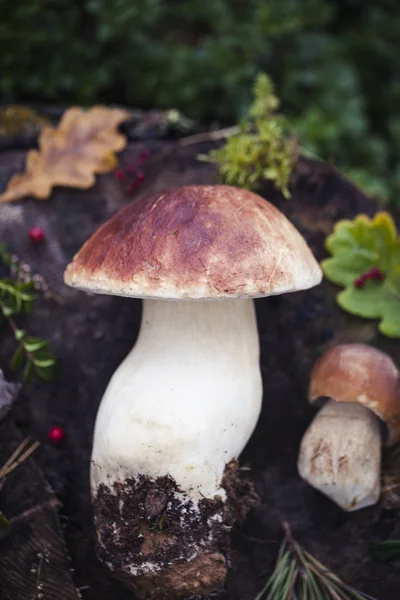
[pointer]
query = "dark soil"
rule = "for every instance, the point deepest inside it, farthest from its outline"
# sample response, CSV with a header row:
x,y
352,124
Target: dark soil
x,y
92,334
131,534
146,521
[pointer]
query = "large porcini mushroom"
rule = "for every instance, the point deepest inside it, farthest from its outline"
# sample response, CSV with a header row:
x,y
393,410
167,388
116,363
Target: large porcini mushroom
x,y
340,453
185,401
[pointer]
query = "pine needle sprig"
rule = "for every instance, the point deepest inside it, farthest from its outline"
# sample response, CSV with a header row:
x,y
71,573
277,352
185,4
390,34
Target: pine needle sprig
x,y
18,291
300,576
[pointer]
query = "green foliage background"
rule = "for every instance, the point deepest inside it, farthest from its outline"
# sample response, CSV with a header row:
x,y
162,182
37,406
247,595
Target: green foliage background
x,y
335,66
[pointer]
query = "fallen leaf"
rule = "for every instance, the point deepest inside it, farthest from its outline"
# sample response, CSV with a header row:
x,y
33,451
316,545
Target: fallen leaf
x,y
82,145
356,247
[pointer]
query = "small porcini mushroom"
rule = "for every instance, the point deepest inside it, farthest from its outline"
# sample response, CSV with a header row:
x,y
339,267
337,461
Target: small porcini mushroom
x,y
340,453
185,401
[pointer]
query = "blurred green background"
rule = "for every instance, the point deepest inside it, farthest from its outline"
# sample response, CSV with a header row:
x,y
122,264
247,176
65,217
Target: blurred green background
x,y
335,65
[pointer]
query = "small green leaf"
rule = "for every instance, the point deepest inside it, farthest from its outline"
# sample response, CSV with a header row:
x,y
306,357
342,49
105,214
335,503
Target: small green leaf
x,y
45,373
28,371
44,363
357,247
18,357
19,334
34,344
44,353
8,311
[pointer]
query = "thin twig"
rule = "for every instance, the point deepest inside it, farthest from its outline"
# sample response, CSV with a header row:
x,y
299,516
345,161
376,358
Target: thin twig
x,y
209,136
21,459
16,452
13,461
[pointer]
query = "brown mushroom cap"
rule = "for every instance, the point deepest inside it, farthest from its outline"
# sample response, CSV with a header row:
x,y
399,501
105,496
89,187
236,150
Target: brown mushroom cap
x,y
196,242
360,373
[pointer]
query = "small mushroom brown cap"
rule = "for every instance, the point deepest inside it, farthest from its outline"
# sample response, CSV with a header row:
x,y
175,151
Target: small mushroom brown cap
x,y
196,242
360,373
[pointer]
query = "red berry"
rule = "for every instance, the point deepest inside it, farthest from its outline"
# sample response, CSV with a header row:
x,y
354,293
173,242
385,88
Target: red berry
x,y
56,435
36,234
119,174
376,273
140,176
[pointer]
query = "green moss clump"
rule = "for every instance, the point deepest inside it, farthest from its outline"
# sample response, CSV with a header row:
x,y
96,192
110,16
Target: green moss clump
x,y
262,149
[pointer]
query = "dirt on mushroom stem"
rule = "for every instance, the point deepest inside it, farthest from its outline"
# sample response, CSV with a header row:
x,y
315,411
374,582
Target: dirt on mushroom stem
x,y
142,521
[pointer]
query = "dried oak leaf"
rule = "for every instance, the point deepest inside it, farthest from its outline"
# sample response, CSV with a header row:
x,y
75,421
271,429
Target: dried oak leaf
x,y
82,145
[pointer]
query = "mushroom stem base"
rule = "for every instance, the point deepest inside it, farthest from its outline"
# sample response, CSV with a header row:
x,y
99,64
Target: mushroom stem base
x,y
203,575
161,543
340,455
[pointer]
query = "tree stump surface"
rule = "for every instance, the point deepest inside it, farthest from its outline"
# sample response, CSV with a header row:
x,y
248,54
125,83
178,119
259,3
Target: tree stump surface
x,y
91,334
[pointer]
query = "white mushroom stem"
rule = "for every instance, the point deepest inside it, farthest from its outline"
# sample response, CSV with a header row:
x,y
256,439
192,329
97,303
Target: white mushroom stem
x,y
340,455
185,400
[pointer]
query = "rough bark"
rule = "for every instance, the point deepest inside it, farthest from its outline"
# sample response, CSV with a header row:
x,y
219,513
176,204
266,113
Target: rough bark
x,y
92,334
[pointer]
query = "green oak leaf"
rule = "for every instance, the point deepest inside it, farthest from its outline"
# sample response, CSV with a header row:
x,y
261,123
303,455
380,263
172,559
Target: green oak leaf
x,y
356,247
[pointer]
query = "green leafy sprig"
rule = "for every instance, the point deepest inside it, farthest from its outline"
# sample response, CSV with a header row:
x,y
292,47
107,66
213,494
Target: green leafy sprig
x,y
360,247
300,576
261,149
18,291
21,272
